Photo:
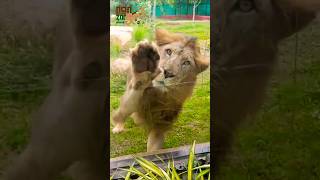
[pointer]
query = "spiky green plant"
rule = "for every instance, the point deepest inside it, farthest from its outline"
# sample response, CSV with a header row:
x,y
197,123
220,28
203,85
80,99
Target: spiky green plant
x,y
141,32
152,171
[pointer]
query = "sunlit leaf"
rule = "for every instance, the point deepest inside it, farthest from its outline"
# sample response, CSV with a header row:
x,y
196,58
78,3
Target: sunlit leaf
x,y
202,173
129,173
190,161
174,172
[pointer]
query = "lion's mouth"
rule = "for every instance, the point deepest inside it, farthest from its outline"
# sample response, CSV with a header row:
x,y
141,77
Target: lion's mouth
x,y
164,80
168,76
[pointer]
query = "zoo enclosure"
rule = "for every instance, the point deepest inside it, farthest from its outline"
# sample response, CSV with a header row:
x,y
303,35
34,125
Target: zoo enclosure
x,y
183,8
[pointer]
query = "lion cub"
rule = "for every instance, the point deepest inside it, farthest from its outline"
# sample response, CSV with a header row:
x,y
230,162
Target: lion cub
x,y
145,60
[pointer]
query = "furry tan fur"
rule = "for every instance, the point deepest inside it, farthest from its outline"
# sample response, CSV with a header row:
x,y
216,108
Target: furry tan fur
x,y
69,129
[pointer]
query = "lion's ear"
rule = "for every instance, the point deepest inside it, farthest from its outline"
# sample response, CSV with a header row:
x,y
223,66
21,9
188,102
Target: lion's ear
x,y
202,63
164,37
191,42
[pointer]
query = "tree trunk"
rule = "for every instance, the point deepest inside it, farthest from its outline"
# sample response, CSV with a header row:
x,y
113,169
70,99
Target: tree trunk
x,y
154,9
193,11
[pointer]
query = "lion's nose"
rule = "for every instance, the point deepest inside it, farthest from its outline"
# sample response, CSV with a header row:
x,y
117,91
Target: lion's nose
x,y
168,73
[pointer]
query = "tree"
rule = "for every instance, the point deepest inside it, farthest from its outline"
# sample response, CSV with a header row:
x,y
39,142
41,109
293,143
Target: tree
x,y
160,2
154,9
195,5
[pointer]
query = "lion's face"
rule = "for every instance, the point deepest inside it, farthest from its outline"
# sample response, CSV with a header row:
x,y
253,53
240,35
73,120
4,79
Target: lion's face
x,y
180,59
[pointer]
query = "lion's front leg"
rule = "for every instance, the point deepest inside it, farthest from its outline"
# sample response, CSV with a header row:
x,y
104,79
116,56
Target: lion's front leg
x,y
155,139
145,59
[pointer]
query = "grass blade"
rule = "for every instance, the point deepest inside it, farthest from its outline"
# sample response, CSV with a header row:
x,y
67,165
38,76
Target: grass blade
x,y
169,171
149,165
201,177
202,173
152,167
190,161
129,173
202,167
158,157
165,174
174,172
136,171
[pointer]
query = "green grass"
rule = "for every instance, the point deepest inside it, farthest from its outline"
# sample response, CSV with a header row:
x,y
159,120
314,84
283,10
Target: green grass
x,y
25,68
115,50
282,141
193,123
197,29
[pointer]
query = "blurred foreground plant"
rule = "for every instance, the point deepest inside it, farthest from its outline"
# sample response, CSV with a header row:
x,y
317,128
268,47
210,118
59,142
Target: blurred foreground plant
x,y
150,170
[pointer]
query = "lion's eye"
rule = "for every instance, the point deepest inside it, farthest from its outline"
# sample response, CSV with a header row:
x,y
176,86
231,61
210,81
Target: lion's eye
x,y
245,5
186,63
168,51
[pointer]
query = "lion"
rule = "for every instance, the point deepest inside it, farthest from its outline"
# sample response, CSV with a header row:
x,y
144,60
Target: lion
x,y
160,79
69,129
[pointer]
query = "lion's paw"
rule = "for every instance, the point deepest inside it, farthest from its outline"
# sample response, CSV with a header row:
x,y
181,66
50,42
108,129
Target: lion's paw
x,y
145,57
118,128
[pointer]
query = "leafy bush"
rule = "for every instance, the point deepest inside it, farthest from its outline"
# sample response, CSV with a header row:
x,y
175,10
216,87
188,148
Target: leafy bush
x,y
115,50
141,32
